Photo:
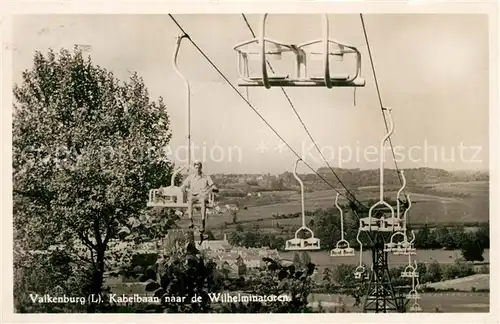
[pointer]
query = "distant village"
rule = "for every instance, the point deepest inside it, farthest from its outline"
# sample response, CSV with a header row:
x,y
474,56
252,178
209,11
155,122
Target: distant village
x,y
236,261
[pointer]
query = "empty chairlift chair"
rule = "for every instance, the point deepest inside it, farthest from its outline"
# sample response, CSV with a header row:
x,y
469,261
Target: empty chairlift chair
x,y
393,246
410,271
368,223
360,269
342,247
264,48
296,243
408,248
413,294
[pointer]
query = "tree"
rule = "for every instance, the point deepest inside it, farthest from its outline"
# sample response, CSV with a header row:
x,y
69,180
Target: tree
x,y
483,235
327,279
327,227
471,249
234,215
296,259
343,275
434,272
305,258
444,238
422,237
86,151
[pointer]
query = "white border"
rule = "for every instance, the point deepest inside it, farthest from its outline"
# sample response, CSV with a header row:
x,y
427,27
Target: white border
x,y
177,7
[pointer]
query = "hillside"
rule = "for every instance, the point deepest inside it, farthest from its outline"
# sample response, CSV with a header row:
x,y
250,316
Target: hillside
x,y
351,178
470,283
446,203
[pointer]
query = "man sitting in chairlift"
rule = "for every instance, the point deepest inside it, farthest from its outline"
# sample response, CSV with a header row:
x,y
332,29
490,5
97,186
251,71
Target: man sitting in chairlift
x,y
199,186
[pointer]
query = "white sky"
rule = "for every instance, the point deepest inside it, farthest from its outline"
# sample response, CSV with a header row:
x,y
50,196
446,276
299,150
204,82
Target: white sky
x,y
432,70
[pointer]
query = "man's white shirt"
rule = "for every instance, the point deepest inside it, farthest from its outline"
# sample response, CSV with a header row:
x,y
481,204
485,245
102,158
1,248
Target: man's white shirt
x,y
198,184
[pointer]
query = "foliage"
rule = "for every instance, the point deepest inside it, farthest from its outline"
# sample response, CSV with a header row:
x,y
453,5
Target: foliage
x,y
254,238
455,237
198,280
305,258
276,279
36,273
434,273
86,150
471,249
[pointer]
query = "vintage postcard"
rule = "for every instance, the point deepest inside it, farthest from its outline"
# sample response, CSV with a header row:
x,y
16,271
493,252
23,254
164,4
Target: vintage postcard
x,y
235,158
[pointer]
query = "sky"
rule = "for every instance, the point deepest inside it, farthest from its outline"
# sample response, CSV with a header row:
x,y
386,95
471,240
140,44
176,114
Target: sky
x,y
432,71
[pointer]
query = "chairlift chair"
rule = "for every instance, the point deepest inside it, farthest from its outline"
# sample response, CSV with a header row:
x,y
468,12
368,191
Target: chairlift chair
x,y
342,251
408,248
296,243
390,224
342,248
415,307
410,271
413,295
382,223
272,48
360,269
394,247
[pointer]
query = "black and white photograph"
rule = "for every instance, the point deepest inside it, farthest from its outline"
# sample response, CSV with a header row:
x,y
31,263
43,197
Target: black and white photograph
x,y
322,162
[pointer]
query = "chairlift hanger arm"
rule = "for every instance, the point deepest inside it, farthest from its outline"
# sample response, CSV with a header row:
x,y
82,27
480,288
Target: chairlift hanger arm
x,y
187,94
399,193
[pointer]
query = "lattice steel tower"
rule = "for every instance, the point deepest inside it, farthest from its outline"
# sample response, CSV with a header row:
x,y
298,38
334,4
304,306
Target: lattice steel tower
x,y
381,296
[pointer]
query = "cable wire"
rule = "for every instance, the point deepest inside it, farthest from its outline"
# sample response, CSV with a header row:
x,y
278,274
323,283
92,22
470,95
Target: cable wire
x,y
255,110
348,192
382,108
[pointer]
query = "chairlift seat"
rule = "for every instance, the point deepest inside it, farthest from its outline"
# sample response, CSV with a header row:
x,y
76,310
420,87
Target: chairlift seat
x,y
169,197
409,251
173,197
342,248
335,252
386,225
409,274
298,244
407,248
369,224
312,242
388,247
342,252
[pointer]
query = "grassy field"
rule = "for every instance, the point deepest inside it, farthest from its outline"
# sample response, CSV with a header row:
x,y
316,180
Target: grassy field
x,y
478,281
464,202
